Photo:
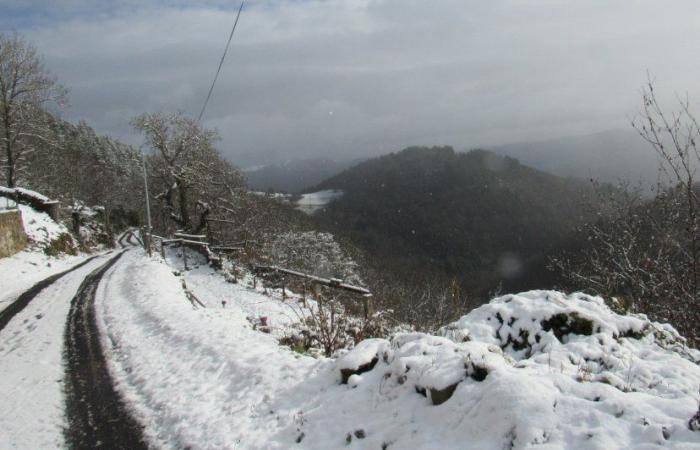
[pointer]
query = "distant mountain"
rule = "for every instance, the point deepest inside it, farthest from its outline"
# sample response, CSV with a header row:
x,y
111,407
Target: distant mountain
x,y
294,175
607,156
478,216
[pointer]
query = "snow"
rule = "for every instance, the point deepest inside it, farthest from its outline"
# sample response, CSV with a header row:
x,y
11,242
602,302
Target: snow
x,y
363,353
206,378
281,196
315,201
22,270
40,228
33,194
31,385
597,391
536,369
199,377
5,191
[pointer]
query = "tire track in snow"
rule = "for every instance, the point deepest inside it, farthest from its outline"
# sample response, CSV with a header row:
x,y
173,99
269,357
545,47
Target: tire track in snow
x,y
27,296
97,416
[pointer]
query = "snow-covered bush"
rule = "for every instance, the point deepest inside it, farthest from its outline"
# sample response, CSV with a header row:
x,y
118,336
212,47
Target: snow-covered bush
x,y
45,234
329,327
527,364
89,225
312,252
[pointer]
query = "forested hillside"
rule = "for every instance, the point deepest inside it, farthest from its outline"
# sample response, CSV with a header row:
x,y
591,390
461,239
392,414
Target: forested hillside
x,y
477,216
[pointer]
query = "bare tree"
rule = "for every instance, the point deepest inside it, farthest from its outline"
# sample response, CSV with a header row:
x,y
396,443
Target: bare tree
x,y
26,89
186,164
646,253
674,137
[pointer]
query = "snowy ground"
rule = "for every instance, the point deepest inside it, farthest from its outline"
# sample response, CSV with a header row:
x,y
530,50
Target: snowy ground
x,y
40,228
20,271
31,380
538,369
205,378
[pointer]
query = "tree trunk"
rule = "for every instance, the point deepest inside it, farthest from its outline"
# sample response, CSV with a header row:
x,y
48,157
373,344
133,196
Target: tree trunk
x,y
10,155
182,193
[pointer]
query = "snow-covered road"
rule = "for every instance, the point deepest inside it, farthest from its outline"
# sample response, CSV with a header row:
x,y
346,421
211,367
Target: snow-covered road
x,y
19,272
199,378
31,384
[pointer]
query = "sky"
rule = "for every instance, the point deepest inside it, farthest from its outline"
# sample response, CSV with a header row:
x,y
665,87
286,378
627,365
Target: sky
x,y
348,78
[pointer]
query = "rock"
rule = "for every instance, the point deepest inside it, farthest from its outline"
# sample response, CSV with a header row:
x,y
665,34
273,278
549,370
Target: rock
x,y
440,396
476,373
694,422
345,374
563,324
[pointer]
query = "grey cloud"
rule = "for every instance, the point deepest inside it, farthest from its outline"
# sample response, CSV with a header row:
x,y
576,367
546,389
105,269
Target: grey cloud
x,y
368,76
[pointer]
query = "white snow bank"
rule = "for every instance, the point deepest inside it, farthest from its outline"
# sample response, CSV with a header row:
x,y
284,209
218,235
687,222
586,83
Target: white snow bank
x,y
205,378
25,192
22,270
33,194
514,373
40,228
200,378
315,201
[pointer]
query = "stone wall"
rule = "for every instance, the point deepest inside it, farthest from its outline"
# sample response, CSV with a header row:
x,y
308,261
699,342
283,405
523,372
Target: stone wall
x,y
12,236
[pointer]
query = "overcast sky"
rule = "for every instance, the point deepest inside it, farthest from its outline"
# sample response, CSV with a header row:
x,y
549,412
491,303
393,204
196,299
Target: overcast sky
x,y
356,77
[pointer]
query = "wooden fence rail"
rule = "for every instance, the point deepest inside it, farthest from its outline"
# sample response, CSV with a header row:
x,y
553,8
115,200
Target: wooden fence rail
x,y
211,252
330,282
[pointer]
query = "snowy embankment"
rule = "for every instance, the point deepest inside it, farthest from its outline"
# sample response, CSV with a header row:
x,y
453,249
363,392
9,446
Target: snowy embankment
x,y
536,369
31,349
22,270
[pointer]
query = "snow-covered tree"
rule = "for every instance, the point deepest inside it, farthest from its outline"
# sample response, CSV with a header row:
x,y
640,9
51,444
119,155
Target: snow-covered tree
x,y
26,90
191,176
646,253
312,252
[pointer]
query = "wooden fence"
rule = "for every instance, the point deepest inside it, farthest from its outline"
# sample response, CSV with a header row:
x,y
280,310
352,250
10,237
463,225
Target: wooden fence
x,y
213,253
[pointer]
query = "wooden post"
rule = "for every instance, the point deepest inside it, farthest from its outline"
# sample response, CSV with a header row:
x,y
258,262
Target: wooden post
x,y
184,255
147,241
367,306
209,236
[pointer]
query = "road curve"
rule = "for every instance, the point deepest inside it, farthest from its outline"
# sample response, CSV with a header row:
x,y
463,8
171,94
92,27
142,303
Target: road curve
x,y
97,416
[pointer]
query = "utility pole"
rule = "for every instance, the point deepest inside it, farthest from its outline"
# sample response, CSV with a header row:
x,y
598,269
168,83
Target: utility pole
x,y
147,239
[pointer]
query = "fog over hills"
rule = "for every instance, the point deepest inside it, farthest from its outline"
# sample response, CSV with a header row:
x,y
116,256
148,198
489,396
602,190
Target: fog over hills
x,y
608,156
294,175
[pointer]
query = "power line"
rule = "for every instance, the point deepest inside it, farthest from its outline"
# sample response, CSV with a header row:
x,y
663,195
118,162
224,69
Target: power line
x,y
221,63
